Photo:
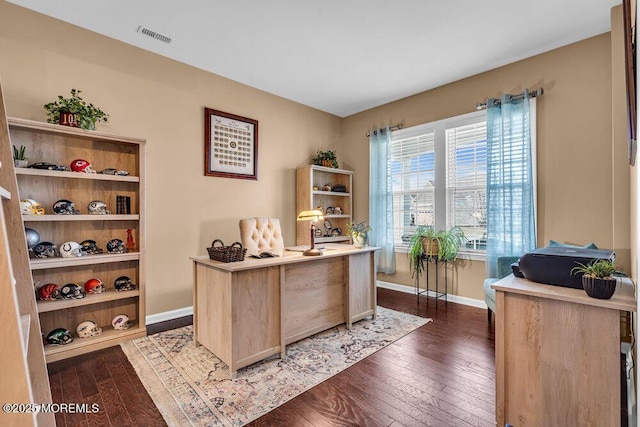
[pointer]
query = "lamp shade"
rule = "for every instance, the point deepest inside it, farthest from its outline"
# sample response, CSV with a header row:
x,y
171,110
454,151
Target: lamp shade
x,y
314,215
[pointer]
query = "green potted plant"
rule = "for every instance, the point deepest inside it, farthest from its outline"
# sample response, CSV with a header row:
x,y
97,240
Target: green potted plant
x,y
598,279
325,158
75,112
359,233
444,245
19,156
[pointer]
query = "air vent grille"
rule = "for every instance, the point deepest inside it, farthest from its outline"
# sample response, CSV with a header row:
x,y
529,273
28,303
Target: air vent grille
x,y
153,34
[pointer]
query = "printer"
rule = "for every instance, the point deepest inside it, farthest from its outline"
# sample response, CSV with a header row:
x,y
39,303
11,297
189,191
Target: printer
x,y
553,265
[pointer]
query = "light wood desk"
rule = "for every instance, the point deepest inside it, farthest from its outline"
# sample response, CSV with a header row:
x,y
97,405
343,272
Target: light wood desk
x,y
558,354
249,310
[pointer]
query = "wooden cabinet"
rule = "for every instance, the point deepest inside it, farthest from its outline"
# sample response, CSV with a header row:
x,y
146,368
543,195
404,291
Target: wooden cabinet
x,y
312,193
23,371
558,354
57,144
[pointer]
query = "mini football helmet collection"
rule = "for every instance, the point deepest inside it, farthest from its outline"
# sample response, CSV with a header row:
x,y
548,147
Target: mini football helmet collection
x,y
71,249
94,286
121,321
59,336
87,329
48,292
72,291
32,236
123,283
81,165
90,247
31,207
98,207
116,246
65,207
44,250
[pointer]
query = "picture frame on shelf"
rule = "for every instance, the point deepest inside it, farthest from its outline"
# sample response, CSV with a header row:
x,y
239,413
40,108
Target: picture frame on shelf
x,y
230,145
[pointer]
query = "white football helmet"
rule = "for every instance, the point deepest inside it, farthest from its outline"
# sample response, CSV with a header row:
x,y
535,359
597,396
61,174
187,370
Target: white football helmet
x,y
98,207
87,329
31,207
121,321
71,249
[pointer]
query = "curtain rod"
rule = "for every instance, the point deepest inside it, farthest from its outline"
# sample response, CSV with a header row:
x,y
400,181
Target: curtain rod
x,y
394,127
532,94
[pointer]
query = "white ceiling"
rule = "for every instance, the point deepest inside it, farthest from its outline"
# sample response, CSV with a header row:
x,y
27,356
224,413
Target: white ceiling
x,y
341,56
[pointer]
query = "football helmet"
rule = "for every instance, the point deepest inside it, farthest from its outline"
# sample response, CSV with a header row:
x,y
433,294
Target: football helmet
x,y
87,329
65,207
59,336
121,321
31,207
123,283
90,247
98,207
44,250
116,246
71,249
48,292
32,236
112,171
94,286
72,291
81,165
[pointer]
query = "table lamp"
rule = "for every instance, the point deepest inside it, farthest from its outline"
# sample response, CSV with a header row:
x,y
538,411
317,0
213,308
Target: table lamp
x,y
312,216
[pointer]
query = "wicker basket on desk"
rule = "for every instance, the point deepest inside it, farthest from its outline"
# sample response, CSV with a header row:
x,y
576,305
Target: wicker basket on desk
x,y
223,253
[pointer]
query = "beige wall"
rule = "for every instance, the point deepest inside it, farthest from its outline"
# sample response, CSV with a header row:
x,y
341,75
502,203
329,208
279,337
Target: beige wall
x,y
575,151
162,100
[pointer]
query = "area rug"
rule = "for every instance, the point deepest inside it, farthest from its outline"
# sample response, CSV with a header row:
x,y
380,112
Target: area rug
x,y
191,386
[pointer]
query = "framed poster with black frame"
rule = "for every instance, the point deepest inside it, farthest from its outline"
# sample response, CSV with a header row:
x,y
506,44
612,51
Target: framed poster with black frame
x,y
230,145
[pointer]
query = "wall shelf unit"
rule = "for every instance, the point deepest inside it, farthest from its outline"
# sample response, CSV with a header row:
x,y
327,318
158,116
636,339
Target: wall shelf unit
x,y
312,176
60,145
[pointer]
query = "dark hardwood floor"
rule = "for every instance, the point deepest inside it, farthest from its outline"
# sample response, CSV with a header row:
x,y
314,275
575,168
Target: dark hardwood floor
x,y
442,374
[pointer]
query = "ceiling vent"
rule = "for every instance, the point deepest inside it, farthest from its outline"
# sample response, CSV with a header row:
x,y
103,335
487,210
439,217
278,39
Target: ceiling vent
x,y
153,34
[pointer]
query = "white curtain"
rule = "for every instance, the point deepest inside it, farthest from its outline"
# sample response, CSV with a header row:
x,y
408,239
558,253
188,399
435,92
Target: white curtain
x,y
381,200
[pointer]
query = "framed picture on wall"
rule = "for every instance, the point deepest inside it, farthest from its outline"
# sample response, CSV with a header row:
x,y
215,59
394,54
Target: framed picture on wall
x,y
230,145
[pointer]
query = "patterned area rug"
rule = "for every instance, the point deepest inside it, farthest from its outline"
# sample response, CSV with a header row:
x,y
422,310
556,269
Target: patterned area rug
x,y
191,386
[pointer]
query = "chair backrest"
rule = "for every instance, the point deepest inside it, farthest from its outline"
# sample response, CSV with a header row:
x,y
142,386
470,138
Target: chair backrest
x,y
261,234
504,265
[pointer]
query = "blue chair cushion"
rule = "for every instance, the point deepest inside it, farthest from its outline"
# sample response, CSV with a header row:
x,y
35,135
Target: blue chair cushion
x,y
554,244
504,269
490,294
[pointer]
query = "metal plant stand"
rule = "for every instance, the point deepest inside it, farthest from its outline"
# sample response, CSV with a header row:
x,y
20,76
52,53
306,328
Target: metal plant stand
x,y
437,293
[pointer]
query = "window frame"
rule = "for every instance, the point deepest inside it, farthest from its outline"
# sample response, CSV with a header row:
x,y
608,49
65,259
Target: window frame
x,y
441,152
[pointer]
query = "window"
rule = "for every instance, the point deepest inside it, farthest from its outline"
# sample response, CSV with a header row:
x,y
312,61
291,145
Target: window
x,y
438,174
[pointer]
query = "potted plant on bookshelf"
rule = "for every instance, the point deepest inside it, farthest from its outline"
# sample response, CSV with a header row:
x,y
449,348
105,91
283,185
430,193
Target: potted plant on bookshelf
x,y
325,158
19,157
598,279
75,112
443,245
359,233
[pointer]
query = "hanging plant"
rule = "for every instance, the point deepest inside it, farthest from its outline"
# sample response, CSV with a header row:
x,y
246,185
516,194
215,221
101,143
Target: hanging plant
x,y
75,112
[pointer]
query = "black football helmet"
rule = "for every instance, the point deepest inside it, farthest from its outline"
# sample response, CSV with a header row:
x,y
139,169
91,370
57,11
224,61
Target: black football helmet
x,y
90,247
72,291
123,283
59,336
45,250
116,246
65,207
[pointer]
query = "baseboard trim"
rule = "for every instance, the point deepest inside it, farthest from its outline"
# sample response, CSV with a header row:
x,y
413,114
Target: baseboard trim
x,y
450,297
188,311
168,315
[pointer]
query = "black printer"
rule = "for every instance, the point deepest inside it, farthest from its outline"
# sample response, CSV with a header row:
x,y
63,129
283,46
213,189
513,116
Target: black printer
x,y
553,265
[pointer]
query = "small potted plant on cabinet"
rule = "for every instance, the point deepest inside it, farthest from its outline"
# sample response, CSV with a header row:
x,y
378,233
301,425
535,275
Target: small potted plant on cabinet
x,y
19,157
359,233
442,245
325,158
74,112
597,278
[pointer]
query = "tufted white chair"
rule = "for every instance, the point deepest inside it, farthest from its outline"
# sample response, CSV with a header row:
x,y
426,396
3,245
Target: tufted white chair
x,y
261,234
